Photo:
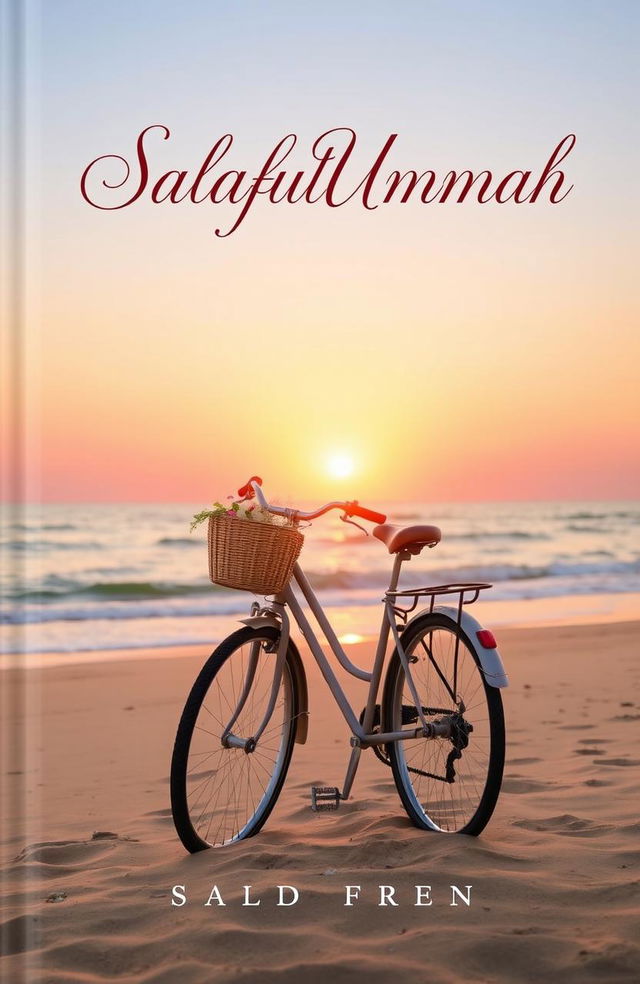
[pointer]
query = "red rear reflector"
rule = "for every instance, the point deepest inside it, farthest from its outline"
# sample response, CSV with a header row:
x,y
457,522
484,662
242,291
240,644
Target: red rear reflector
x,y
487,639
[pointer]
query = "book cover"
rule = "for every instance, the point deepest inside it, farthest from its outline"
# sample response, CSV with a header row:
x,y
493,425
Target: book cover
x,y
263,257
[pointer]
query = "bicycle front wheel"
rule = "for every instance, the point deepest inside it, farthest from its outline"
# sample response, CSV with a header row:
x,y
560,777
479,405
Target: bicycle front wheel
x,y
445,784
220,795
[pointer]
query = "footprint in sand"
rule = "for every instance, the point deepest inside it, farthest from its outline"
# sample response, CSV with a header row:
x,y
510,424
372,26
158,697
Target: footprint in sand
x,y
69,854
576,727
565,824
518,784
618,761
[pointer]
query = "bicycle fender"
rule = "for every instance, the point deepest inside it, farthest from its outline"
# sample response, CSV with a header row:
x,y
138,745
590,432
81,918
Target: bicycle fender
x,y
258,621
297,667
492,666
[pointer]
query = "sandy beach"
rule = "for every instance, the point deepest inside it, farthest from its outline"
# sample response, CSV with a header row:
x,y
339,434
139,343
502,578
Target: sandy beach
x,y
555,888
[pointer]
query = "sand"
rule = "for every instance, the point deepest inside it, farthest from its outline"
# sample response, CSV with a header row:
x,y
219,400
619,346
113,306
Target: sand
x,y
555,895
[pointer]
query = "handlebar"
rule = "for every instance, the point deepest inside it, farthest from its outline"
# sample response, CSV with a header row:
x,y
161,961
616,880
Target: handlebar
x,y
353,509
254,488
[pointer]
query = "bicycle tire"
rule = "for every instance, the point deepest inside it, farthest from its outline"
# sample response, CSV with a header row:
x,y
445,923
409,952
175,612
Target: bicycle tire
x,y
234,768
432,805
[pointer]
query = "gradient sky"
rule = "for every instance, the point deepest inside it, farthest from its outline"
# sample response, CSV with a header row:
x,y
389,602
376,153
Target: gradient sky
x,y
456,351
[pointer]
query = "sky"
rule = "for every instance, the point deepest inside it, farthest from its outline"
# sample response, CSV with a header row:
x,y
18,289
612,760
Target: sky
x,y
451,352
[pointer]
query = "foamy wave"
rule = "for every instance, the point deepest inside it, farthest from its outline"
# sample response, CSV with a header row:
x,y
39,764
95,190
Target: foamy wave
x,y
494,573
40,546
498,535
213,605
58,589
616,514
130,600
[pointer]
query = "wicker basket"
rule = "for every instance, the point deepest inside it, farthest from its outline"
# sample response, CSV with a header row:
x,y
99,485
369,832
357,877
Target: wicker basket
x,y
252,556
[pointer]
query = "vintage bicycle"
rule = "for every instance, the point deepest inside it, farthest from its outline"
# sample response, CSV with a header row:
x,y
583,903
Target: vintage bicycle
x,y
439,723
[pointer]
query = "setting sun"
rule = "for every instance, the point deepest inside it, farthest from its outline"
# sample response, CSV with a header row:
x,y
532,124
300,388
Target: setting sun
x,y
340,465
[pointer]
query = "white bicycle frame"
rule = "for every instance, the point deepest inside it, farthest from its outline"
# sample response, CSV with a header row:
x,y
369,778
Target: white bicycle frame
x,y
275,614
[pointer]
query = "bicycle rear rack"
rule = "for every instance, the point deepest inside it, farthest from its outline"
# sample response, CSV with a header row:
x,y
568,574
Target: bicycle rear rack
x,y
467,593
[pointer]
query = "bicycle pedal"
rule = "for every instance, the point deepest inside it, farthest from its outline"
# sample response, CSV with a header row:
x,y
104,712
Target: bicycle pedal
x,y
325,798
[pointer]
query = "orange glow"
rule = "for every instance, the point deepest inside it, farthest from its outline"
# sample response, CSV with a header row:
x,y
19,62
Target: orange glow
x,y
172,374
164,414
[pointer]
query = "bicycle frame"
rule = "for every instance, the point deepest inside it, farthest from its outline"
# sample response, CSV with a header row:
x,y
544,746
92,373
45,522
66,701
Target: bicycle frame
x,y
363,735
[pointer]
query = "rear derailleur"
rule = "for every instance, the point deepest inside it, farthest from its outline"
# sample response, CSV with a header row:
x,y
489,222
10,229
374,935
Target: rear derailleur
x,y
459,738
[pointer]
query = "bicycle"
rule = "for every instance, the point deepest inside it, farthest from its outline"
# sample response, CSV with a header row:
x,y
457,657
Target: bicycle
x,y
439,724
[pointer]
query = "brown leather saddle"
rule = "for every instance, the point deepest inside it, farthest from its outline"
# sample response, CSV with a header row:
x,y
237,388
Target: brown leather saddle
x,y
410,538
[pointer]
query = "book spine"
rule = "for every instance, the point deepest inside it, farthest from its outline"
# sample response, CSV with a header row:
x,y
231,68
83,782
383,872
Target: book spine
x,y
20,745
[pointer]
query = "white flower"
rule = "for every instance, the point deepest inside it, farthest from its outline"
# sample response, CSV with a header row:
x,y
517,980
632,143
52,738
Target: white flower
x,y
260,515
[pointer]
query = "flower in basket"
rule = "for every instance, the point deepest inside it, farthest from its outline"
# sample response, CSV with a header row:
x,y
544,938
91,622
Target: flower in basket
x,y
243,510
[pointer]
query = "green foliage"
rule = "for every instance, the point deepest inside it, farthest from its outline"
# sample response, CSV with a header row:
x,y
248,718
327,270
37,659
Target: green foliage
x,y
216,510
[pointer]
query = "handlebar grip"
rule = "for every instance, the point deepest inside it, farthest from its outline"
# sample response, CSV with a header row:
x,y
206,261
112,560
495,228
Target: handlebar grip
x,y
373,517
246,490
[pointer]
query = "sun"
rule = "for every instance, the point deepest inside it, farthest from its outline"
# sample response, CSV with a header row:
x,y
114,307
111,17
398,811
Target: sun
x,y
340,465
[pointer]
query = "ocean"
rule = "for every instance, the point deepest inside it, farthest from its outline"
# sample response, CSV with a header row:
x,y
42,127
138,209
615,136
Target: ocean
x,y
109,577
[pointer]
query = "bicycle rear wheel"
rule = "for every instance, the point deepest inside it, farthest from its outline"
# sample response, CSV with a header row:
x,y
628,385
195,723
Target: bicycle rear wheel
x,y
445,784
220,795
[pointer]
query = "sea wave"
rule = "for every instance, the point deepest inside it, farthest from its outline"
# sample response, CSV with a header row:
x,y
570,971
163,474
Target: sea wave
x,y
230,603
135,564
614,514
111,590
494,573
498,535
192,607
37,546
38,528
89,600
